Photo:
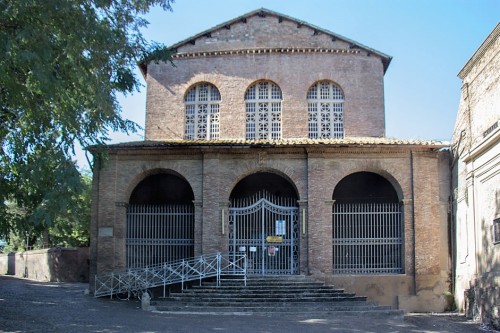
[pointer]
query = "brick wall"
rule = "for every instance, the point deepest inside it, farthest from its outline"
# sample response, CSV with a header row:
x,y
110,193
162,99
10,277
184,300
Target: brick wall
x,y
358,72
51,265
314,172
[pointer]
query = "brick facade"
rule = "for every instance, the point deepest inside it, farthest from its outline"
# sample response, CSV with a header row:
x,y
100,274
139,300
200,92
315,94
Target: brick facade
x,y
293,60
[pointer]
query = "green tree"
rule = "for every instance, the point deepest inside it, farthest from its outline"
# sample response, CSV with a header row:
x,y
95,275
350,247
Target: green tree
x,y
71,227
62,65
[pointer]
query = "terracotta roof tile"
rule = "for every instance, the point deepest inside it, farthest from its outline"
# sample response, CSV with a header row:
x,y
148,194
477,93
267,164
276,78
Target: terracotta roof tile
x,y
353,142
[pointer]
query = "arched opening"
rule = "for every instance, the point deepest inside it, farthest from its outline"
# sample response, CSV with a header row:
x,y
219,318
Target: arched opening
x,y
367,226
364,187
160,221
264,181
162,188
263,224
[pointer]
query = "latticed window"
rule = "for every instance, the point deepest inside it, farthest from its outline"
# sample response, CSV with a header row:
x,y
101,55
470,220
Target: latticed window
x,y
263,111
202,112
325,104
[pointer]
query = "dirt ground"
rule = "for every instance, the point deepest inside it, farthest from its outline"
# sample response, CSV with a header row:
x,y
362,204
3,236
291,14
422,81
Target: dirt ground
x,y
28,306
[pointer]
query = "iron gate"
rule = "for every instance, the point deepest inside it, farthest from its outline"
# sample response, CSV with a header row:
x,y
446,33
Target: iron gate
x,y
266,229
159,233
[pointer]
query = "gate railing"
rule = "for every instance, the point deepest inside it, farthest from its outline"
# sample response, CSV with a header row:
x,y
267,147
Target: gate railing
x,y
138,280
368,238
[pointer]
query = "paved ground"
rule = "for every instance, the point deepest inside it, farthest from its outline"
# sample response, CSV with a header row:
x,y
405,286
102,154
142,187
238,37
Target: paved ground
x,y
27,306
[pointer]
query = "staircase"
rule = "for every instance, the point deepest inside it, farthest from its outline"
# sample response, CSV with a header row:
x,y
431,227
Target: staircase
x,y
272,295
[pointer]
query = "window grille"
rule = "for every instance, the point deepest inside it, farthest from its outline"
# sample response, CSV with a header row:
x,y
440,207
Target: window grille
x,y
263,111
496,231
158,234
325,103
367,238
202,112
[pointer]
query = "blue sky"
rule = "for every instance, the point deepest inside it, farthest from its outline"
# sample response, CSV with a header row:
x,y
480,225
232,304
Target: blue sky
x,y
429,40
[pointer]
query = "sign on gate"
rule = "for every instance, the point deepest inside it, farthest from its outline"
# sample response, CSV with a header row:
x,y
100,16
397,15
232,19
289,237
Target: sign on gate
x,y
280,227
274,239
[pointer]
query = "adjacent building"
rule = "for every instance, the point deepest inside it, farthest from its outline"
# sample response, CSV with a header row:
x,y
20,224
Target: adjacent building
x,y
476,184
266,136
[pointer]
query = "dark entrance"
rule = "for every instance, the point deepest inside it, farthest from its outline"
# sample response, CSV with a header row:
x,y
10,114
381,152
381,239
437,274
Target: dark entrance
x,y
160,221
367,226
263,223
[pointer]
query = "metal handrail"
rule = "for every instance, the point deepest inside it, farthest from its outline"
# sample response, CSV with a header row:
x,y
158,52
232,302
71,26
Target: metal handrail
x,y
137,280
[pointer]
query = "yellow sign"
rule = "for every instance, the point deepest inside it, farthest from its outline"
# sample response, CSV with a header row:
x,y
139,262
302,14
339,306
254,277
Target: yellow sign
x,y
274,239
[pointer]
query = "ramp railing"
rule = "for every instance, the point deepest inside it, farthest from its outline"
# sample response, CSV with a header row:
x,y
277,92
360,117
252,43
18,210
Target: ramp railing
x,y
138,280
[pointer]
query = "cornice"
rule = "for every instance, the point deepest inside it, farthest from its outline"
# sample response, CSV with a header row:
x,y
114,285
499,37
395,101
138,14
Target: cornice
x,y
257,51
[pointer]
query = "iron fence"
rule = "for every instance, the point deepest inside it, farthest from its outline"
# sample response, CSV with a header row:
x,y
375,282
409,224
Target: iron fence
x,y
367,238
139,280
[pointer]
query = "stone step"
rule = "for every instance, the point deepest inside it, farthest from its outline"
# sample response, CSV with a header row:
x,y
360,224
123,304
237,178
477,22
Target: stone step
x,y
298,305
266,295
266,285
299,309
223,289
276,299
357,304
262,293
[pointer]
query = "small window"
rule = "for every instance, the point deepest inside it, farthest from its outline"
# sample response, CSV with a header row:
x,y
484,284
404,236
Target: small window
x,y
496,231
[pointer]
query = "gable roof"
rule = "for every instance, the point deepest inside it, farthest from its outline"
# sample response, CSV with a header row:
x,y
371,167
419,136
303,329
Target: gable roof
x,y
263,12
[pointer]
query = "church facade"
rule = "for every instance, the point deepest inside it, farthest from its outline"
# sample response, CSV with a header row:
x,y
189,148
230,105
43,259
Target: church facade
x,y
266,136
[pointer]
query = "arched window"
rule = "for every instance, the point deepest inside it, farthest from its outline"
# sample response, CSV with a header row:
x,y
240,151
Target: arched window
x,y
263,111
325,104
202,112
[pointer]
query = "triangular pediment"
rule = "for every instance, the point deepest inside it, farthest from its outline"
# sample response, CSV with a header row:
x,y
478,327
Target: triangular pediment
x,y
264,28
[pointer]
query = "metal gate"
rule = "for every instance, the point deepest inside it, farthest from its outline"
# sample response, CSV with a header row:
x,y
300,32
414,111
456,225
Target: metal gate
x,y
266,229
159,233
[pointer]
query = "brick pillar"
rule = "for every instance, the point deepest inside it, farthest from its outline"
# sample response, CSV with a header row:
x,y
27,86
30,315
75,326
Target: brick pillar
x,y
409,239
198,227
213,239
120,235
328,234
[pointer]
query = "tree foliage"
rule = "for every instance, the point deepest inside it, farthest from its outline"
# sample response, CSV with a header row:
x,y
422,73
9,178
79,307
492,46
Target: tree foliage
x,y
62,64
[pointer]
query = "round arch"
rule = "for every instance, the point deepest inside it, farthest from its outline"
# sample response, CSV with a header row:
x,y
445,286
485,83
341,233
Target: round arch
x,y
367,226
162,188
275,183
325,81
263,223
160,220
365,187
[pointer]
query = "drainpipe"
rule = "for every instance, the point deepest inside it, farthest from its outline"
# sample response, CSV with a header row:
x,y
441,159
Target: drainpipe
x,y
413,223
